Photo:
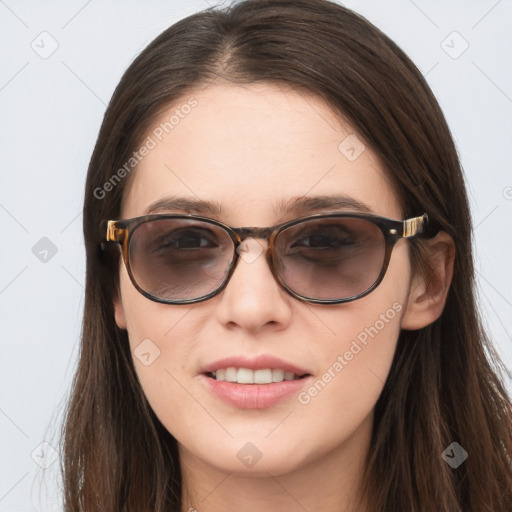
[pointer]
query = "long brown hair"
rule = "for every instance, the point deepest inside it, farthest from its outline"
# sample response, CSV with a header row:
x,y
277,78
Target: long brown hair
x,y
444,384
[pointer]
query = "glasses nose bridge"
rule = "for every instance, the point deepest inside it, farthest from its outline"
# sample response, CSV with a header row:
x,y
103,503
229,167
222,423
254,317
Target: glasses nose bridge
x,y
254,232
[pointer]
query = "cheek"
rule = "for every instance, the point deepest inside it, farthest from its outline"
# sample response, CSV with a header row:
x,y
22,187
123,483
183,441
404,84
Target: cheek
x,y
162,341
163,357
354,367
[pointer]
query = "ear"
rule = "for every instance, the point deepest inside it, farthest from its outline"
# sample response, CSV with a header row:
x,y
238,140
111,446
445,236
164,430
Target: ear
x,y
119,312
427,295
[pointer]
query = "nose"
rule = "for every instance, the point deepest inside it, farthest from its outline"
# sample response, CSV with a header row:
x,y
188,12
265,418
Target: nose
x,y
253,298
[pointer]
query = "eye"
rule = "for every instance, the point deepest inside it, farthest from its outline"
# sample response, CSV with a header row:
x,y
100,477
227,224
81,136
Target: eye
x,y
322,241
186,239
324,238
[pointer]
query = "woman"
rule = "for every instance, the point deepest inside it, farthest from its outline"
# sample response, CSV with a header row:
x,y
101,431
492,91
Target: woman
x,y
330,355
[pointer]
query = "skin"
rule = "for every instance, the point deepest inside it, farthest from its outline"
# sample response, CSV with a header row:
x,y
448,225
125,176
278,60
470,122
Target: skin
x,y
238,147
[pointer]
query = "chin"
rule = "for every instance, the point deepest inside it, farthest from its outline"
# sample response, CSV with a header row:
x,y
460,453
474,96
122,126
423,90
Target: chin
x,y
253,455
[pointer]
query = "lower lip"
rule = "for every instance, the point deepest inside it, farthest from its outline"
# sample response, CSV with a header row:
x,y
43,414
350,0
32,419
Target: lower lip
x,y
254,396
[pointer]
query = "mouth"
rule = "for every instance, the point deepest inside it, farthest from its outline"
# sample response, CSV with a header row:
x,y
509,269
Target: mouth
x,y
243,375
254,383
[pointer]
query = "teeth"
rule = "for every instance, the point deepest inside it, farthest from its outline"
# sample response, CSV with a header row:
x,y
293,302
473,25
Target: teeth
x,y
277,375
262,376
245,376
248,376
231,374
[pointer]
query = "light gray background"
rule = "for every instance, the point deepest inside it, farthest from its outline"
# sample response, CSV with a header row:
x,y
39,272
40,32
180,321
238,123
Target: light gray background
x,y
51,110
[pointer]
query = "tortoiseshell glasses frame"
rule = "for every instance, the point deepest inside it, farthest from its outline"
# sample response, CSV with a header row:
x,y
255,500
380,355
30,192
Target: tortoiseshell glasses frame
x,y
122,231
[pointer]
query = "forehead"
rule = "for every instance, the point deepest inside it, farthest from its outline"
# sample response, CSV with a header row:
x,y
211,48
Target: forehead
x,y
250,150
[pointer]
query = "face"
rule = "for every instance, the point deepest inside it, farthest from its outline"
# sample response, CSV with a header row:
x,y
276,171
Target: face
x,y
251,149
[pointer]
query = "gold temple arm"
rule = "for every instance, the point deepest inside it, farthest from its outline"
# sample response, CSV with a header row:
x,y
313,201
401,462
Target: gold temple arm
x,y
113,233
414,226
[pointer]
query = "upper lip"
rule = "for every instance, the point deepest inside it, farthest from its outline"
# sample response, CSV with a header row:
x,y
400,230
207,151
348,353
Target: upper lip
x,y
255,363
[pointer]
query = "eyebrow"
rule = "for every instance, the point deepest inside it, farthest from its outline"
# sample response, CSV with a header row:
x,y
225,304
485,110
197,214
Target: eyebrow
x,y
184,205
304,204
295,205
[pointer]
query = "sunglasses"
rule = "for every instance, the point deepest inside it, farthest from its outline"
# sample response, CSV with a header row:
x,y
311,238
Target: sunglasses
x,y
326,258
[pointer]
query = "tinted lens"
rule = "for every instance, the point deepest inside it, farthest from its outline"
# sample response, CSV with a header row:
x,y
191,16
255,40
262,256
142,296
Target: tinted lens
x,y
331,258
179,259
